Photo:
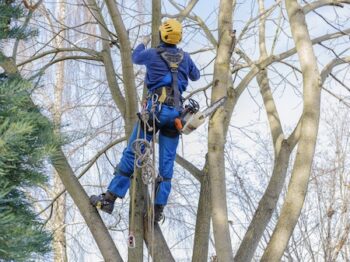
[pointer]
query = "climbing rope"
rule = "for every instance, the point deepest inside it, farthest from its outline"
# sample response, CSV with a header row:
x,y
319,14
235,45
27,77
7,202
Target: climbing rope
x,y
153,184
143,151
145,160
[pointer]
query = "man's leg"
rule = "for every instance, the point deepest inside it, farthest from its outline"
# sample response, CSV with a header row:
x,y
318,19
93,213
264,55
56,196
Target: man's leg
x,y
121,181
167,154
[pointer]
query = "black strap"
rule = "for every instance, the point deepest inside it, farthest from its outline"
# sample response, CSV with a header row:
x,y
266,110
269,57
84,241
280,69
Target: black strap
x,y
176,90
160,179
173,61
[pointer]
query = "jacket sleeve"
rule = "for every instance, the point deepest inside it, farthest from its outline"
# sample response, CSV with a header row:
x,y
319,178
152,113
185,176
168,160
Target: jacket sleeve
x,y
140,55
194,74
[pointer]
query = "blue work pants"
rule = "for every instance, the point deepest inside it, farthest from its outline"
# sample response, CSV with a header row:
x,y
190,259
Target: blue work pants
x,y
167,153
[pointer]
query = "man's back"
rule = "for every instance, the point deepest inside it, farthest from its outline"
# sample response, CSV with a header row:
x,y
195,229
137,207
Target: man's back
x,y
158,73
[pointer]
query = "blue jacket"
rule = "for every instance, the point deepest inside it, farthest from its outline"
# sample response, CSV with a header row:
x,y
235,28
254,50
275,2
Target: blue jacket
x,y
157,73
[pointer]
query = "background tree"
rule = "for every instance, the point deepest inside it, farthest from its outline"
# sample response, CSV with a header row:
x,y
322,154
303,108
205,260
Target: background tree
x,y
25,140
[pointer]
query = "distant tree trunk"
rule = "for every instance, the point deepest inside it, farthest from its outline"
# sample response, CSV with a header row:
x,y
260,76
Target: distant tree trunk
x,y
59,207
216,141
309,127
59,222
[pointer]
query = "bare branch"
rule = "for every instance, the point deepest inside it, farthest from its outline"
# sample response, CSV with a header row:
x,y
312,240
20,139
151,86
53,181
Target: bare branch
x,y
83,172
317,4
184,12
197,174
31,7
58,50
329,67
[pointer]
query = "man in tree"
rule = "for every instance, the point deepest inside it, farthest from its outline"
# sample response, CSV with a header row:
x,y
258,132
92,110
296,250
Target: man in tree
x,y
167,71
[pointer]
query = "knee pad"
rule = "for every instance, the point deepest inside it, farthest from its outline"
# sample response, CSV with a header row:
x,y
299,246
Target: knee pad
x,y
117,171
159,180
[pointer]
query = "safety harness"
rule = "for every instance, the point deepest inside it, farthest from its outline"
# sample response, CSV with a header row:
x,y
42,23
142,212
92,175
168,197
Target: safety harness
x,y
144,150
173,61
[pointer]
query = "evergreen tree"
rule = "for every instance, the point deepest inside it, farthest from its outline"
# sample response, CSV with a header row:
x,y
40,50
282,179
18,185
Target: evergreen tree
x,y
25,138
10,12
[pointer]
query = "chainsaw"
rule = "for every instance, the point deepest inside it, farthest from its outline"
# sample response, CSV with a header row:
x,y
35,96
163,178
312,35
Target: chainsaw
x,y
191,118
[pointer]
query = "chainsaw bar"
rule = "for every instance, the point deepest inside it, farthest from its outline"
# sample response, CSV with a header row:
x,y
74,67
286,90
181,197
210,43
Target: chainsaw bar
x,y
211,109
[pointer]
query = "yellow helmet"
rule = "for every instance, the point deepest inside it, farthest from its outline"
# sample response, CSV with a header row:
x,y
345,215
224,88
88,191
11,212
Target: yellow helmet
x,y
171,31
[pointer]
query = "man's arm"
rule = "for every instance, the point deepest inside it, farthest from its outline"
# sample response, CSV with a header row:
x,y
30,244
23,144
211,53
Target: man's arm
x,y
194,74
140,55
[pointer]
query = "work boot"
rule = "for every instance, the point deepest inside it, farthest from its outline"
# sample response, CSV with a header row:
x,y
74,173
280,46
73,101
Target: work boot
x,y
158,213
105,202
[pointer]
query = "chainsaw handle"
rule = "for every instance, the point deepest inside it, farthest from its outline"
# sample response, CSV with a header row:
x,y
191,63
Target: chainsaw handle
x,y
178,124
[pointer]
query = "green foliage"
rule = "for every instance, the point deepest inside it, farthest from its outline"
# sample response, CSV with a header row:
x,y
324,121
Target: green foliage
x,y
25,140
21,234
10,12
25,135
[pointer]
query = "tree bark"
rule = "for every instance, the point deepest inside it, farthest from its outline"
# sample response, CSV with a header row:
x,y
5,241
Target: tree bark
x,y
309,127
59,208
201,237
216,140
161,250
265,208
89,213
59,222
127,66
136,254
107,59
156,21
282,151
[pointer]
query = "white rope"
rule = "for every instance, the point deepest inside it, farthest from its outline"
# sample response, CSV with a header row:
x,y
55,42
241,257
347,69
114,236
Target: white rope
x,y
145,160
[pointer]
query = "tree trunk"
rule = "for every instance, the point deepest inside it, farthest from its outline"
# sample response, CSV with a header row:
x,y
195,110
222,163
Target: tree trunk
x,y
161,250
58,222
107,59
127,66
216,141
89,213
309,127
201,237
59,207
265,208
156,21
136,254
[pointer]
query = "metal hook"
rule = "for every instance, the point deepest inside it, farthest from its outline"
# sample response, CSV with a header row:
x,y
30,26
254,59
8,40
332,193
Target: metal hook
x,y
154,98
